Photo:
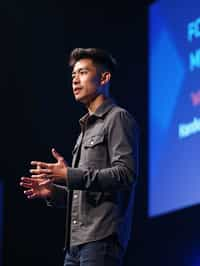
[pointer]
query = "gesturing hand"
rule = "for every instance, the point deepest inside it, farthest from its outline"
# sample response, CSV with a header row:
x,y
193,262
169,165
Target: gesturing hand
x,y
36,187
53,171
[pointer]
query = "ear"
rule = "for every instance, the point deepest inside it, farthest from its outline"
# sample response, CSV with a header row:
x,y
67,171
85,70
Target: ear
x,y
105,78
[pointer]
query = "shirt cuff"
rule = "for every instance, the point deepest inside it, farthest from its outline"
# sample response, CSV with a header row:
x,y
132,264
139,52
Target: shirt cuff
x,y
74,178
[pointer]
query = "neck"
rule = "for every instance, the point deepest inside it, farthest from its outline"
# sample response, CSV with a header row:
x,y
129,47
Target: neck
x,y
95,103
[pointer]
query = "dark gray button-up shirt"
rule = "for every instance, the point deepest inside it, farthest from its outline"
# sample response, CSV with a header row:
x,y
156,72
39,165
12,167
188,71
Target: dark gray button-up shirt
x,y
99,192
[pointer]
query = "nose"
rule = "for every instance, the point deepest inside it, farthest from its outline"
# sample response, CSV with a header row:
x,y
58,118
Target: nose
x,y
75,80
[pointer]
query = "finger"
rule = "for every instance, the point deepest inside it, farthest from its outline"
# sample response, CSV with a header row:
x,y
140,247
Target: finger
x,y
36,177
57,155
40,164
30,180
40,171
26,185
26,179
46,182
42,178
28,192
33,196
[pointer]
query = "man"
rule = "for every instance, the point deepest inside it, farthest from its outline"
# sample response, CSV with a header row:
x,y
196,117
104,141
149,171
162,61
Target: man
x,y
98,189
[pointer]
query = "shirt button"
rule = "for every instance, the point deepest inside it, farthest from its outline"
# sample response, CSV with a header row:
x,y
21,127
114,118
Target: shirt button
x,y
74,222
75,196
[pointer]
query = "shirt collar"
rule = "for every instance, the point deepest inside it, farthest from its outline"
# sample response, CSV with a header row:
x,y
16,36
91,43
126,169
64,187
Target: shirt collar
x,y
101,110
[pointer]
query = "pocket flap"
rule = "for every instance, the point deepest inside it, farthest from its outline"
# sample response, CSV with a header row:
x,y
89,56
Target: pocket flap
x,y
93,141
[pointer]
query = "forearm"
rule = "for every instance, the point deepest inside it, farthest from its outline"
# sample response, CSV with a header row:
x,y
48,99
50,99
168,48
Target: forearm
x,y
113,178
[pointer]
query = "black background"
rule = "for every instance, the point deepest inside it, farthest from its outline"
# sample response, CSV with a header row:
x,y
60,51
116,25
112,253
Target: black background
x,y
38,112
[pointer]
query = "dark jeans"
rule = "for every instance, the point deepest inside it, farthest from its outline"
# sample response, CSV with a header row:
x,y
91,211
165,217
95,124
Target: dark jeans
x,y
105,252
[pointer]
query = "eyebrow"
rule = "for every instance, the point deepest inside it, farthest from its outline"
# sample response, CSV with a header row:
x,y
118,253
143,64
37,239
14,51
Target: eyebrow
x,y
79,69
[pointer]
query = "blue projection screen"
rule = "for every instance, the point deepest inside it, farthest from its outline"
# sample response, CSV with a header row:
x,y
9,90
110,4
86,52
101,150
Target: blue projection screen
x,y
174,105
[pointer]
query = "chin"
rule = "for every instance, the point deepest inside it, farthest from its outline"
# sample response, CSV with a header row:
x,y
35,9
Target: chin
x,y
80,99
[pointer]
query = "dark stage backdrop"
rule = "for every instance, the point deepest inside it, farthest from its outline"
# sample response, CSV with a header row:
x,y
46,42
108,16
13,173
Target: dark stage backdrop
x,y
38,112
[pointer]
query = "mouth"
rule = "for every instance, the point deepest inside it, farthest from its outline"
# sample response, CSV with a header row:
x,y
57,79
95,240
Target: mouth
x,y
77,90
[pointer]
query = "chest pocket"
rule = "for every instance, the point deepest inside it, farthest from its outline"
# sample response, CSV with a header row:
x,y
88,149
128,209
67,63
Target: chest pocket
x,y
93,141
95,148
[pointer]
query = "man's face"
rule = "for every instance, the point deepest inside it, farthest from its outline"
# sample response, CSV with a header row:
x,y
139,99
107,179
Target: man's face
x,y
85,81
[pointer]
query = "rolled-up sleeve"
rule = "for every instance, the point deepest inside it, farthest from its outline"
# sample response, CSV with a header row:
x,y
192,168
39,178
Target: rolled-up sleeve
x,y
122,144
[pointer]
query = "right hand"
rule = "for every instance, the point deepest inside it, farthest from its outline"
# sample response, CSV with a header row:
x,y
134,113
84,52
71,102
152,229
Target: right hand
x,y
54,171
36,187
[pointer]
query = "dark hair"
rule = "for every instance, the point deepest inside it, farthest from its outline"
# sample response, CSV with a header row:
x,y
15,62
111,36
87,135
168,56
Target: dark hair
x,y
98,56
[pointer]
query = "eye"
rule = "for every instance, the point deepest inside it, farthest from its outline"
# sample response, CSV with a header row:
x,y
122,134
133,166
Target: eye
x,y
84,71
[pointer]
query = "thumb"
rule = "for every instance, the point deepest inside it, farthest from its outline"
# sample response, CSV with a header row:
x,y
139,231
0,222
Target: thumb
x,y
57,155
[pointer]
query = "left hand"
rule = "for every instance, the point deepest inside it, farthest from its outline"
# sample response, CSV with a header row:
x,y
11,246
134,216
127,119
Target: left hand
x,y
53,171
36,187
